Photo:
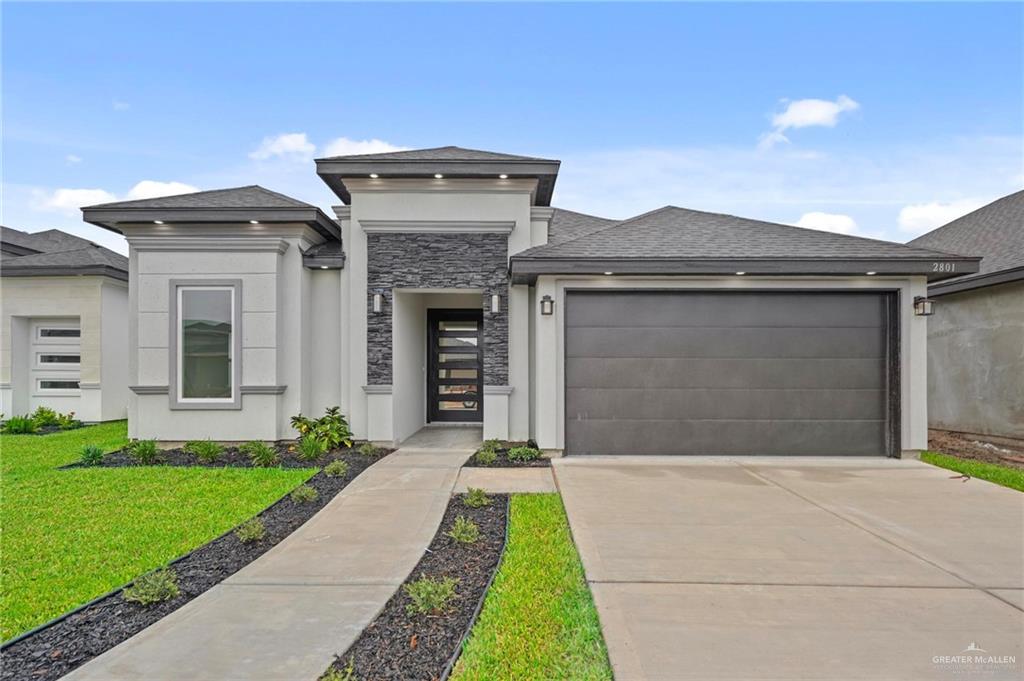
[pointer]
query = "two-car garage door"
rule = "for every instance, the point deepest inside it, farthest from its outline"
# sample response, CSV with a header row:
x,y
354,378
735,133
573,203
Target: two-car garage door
x,y
739,373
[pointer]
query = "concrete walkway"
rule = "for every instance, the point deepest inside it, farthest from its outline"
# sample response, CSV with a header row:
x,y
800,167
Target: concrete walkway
x,y
284,616
798,569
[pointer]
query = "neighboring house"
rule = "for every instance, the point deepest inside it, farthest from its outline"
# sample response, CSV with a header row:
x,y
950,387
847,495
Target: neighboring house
x,y
64,342
447,289
976,336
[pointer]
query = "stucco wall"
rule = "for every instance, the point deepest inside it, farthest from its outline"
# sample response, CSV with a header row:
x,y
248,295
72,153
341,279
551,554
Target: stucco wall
x,y
976,361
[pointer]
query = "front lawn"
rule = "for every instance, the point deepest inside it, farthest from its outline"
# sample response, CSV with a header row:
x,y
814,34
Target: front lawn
x,y
1001,475
539,620
71,535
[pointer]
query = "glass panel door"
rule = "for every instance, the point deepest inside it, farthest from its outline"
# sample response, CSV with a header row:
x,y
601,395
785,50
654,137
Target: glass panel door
x,y
455,379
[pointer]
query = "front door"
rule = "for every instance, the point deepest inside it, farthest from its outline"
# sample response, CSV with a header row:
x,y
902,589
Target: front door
x,y
455,378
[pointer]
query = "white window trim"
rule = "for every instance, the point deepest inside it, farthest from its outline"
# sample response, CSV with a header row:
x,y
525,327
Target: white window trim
x,y
40,390
58,340
58,366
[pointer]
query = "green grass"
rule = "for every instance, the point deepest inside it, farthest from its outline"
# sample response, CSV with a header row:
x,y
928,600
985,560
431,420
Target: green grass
x,y
1001,475
539,620
69,536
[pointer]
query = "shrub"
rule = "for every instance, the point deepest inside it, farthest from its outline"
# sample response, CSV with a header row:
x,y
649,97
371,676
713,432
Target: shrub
x,y
92,455
336,673
143,452
304,493
68,421
369,449
311,448
251,530
331,428
493,445
44,416
20,425
430,595
260,454
206,451
476,497
464,530
486,456
153,587
336,469
523,454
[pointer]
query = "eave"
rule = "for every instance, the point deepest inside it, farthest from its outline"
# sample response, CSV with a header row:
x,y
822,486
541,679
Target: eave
x,y
109,218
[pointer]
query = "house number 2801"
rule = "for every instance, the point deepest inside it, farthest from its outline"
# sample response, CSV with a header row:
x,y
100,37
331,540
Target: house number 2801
x,y
943,267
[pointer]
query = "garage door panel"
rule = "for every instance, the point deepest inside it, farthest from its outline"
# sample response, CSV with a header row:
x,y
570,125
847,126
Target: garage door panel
x,y
727,342
776,438
662,308
589,372
716,403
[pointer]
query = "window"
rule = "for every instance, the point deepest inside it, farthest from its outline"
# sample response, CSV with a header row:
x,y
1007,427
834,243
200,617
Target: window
x,y
59,332
58,384
205,347
55,359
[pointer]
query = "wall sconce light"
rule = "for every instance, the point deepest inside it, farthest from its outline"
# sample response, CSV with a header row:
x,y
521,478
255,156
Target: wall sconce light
x,y
923,306
378,301
495,304
547,306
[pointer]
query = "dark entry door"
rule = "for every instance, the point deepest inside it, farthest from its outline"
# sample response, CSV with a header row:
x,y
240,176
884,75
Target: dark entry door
x,y
455,378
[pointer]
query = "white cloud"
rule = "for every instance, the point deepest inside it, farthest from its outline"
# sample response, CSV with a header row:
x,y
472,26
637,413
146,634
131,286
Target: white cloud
x,y
118,105
828,222
291,145
919,218
805,113
343,146
69,201
71,159
150,189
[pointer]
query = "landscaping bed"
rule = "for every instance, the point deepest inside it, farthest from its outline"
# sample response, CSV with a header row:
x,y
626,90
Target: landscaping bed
x,y
57,648
399,645
1000,451
233,457
495,454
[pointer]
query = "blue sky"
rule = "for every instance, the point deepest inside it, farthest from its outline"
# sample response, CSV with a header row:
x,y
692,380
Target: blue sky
x,y
880,120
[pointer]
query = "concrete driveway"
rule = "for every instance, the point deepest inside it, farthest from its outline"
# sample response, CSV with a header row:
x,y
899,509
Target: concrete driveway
x,y
799,569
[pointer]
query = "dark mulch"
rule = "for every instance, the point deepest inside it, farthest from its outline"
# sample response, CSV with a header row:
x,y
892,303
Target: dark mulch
x,y
502,461
409,647
1002,451
232,458
54,651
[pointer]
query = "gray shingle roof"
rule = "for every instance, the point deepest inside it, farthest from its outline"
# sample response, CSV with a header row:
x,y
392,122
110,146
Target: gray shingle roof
x,y
449,153
58,253
567,225
249,196
995,232
681,233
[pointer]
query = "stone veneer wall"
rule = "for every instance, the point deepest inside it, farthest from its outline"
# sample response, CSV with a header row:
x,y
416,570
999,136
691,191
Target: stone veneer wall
x,y
433,260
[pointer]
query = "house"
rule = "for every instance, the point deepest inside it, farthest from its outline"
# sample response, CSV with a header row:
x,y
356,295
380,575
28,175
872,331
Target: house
x,y
976,336
63,343
447,289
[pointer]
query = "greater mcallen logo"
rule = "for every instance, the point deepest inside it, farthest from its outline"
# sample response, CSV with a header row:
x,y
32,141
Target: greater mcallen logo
x,y
974,658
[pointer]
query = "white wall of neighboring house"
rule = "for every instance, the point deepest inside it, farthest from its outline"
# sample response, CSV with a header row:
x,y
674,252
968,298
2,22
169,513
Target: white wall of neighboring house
x,y
99,307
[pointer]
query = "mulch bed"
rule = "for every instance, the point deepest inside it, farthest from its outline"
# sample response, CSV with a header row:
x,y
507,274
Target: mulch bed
x,y
502,460
1001,451
407,647
231,458
53,651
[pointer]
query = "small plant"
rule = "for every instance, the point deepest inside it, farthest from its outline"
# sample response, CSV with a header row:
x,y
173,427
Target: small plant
x,y
206,451
311,447
303,494
250,531
475,498
68,421
493,445
44,416
430,595
464,530
331,428
336,673
369,449
143,452
486,456
92,455
20,425
260,454
523,454
336,469
153,587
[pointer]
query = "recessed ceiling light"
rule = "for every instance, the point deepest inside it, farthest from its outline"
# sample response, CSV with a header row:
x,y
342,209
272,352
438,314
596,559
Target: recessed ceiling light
x,y
438,176
871,274
374,175
254,222
503,176
740,273
158,222
608,274
323,267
